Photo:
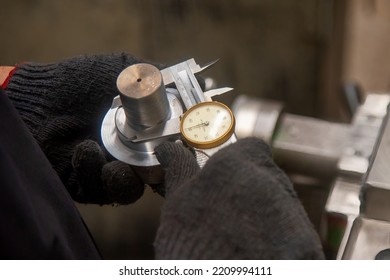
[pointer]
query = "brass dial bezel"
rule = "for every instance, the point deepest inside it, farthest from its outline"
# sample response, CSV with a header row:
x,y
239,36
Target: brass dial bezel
x,y
212,143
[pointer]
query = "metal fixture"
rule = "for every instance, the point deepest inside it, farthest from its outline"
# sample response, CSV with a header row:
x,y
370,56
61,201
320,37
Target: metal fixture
x,y
148,110
342,154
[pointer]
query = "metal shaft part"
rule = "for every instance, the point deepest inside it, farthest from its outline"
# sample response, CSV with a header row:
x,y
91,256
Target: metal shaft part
x,y
143,96
146,114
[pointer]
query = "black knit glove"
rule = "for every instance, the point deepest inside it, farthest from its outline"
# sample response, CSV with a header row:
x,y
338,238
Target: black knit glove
x,y
239,206
63,104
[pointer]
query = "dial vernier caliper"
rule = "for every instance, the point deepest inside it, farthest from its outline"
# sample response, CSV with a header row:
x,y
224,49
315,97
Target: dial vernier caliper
x,y
147,112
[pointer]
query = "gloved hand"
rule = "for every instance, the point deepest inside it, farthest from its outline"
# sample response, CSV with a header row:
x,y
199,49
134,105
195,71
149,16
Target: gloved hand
x,y
63,104
239,206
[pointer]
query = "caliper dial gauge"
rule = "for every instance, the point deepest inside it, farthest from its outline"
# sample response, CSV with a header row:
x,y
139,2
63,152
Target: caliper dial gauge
x,y
207,125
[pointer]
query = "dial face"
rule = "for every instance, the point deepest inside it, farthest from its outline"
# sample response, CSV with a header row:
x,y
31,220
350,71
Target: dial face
x,y
207,125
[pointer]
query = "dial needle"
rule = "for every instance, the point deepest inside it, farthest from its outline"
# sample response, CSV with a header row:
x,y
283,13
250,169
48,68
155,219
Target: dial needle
x,y
198,125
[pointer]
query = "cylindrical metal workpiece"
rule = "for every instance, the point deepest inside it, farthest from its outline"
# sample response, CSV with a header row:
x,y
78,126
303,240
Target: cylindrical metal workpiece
x,y
143,96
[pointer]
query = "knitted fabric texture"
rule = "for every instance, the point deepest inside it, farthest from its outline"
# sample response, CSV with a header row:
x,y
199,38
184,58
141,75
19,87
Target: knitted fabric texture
x,y
64,103
178,163
95,180
239,206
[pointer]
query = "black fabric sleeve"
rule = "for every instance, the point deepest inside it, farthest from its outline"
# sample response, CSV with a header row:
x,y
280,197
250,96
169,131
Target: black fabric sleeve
x,y
38,219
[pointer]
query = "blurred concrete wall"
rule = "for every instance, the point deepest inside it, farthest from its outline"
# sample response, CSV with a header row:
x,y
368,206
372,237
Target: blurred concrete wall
x,y
367,44
268,48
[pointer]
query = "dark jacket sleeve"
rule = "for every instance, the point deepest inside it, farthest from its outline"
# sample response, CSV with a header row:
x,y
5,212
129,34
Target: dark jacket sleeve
x,y
38,219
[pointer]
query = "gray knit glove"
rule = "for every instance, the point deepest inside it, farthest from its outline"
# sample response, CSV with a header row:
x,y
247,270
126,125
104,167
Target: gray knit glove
x,y
63,104
239,206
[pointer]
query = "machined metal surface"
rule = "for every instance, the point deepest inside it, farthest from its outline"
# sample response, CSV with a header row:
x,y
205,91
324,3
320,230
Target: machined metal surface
x,y
143,96
341,209
376,189
121,140
256,117
366,131
369,239
146,114
309,146
344,198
